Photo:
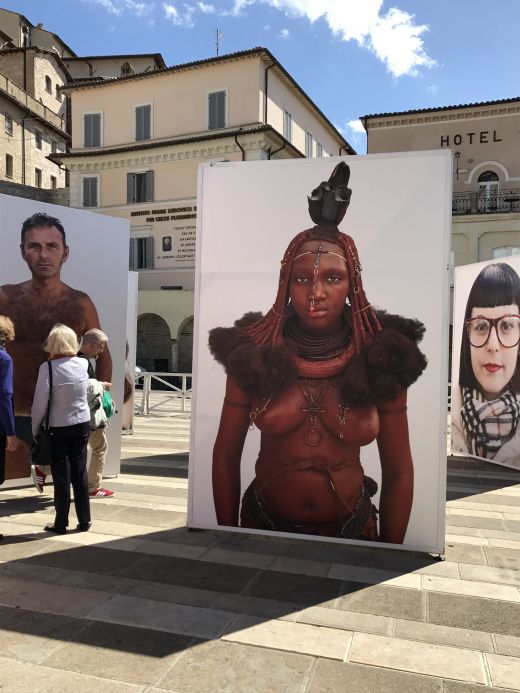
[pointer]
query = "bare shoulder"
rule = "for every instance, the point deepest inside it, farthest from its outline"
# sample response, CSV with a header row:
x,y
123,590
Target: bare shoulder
x,y
84,306
8,292
77,295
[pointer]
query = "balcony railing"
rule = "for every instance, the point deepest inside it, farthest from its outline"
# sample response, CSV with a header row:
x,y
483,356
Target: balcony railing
x,y
37,108
486,202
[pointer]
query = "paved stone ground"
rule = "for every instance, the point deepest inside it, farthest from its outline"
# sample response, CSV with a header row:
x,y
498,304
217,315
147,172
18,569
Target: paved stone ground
x,y
141,604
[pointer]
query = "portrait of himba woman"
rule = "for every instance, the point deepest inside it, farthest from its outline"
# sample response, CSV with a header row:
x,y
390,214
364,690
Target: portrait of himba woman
x,y
486,403
321,375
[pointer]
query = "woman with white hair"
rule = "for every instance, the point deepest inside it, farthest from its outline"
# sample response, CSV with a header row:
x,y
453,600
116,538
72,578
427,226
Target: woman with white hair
x,y
65,376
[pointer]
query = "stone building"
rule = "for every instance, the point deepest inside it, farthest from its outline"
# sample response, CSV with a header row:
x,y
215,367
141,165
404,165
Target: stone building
x,y
137,142
485,141
35,118
32,117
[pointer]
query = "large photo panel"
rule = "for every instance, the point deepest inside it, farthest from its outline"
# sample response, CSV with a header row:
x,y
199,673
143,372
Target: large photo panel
x,y
308,479
95,273
485,409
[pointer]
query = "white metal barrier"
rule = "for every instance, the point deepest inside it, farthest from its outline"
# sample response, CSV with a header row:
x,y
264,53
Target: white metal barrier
x,y
183,392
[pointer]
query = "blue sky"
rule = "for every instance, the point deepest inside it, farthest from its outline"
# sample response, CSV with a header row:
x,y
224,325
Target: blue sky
x,y
352,57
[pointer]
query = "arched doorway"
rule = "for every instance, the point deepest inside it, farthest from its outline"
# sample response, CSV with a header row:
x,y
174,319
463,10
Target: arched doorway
x,y
154,343
185,347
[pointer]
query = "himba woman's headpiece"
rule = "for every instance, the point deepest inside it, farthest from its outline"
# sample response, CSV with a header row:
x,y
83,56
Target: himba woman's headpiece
x,y
327,206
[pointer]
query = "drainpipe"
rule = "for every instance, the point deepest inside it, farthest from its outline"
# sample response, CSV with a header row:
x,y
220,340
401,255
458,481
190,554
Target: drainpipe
x,y
240,146
23,151
265,91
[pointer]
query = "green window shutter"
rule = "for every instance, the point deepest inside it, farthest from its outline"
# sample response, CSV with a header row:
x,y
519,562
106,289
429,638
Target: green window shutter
x,y
149,186
130,188
149,252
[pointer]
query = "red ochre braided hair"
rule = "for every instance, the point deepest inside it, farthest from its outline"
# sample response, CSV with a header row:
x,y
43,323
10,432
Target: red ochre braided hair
x,y
327,206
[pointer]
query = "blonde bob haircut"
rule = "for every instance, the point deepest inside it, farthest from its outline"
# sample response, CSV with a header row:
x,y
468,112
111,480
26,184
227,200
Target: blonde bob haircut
x,y
61,341
6,329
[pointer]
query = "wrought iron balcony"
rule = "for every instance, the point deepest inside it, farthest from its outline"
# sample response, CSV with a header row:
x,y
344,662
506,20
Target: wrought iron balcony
x,y
486,202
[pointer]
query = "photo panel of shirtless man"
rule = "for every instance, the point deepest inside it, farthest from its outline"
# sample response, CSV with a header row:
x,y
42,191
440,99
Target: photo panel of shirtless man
x,y
42,299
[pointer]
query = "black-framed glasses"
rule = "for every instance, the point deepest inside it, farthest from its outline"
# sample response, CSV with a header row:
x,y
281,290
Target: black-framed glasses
x,y
507,328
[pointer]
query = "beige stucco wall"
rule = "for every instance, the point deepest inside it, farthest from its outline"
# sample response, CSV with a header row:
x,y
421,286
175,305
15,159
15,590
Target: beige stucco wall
x,y
280,99
481,136
179,102
474,237
108,66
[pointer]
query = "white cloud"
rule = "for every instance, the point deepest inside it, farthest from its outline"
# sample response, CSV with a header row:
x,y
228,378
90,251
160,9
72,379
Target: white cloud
x,y
355,126
182,18
284,33
393,37
354,132
206,9
432,89
120,7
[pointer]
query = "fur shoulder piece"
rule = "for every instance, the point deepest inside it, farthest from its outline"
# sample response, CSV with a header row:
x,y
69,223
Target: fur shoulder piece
x,y
260,371
390,364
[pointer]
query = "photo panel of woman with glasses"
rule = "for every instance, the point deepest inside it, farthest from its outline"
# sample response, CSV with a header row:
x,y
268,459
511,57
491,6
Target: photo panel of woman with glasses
x,y
486,403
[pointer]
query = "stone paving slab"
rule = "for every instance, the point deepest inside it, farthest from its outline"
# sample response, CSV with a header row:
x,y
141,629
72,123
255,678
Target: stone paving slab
x,y
338,677
386,601
237,668
422,658
124,653
486,615
293,637
473,588
504,671
444,635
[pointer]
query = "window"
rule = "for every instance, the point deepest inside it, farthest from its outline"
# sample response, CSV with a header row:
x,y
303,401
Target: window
x,y
308,145
90,191
127,69
92,130
319,150
487,191
141,253
8,166
38,177
143,122
48,84
139,187
38,139
54,182
57,92
506,251
216,110
287,125
9,124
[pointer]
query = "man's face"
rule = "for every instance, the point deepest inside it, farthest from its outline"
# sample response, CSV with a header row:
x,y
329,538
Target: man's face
x,y
44,252
92,349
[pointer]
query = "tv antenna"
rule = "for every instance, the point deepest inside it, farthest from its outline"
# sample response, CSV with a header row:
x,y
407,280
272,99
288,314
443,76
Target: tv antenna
x,y
219,40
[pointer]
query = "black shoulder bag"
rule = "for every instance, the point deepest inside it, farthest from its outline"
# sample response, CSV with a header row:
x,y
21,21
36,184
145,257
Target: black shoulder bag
x,y
41,449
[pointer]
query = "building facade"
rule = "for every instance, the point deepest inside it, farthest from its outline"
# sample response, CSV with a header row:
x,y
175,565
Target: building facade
x,y
485,141
137,142
32,117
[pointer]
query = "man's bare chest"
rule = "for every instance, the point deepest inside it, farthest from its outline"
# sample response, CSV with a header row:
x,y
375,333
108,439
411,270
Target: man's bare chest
x,y
34,317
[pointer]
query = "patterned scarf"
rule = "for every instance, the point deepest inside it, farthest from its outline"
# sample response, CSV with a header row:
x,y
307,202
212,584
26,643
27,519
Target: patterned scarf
x,y
488,424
